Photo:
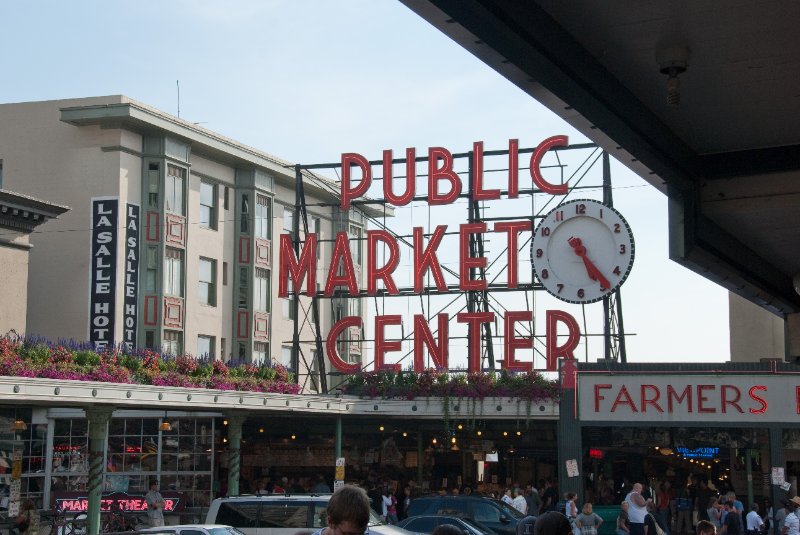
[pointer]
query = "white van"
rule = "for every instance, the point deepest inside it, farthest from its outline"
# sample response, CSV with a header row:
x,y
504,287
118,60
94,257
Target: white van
x,y
283,514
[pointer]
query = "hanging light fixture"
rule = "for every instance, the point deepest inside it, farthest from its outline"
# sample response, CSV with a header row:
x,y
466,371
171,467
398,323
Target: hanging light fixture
x,y
19,425
165,425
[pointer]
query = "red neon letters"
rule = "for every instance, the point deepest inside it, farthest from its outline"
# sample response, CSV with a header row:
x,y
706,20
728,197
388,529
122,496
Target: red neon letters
x,y
444,187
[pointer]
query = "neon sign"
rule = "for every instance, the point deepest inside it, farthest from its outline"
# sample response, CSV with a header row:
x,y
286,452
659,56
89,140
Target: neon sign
x,y
77,502
342,274
698,453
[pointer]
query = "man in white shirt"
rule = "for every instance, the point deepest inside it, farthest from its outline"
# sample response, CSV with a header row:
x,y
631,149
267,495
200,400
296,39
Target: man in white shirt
x,y
754,524
791,525
637,509
519,502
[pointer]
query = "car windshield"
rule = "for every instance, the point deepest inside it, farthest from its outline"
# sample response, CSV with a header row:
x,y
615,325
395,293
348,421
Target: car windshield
x,y
374,519
224,531
478,527
507,509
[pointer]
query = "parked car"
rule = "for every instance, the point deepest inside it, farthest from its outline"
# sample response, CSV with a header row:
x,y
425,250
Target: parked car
x,y
499,517
282,514
427,523
194,529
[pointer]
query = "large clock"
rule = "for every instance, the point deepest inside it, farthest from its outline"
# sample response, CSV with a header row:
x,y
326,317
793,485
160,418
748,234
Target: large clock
x,y
582,251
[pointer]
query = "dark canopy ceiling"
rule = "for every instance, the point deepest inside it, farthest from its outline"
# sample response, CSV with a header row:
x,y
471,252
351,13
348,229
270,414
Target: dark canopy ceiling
x,y
728,155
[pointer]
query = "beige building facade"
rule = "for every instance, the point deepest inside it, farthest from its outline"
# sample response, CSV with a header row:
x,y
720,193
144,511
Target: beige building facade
x,y
173,237
20,215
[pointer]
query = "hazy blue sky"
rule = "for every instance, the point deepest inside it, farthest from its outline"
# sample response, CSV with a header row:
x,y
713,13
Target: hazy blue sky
x,y
308,80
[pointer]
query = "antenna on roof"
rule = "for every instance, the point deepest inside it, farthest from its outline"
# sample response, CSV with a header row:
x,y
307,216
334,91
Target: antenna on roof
x,y
178,84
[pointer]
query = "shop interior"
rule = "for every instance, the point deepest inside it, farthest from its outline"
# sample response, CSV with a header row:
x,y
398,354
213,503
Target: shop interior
x,y
454,454
726,458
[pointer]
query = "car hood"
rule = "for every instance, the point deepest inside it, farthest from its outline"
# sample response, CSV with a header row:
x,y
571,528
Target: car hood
x,y
388,529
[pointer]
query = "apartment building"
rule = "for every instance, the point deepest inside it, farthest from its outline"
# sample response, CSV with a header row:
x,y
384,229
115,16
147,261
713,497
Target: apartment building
x,y
172,237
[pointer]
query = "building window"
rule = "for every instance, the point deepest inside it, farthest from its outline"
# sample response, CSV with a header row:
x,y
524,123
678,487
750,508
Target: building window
x,y
173,192
263,217
355,307
242,351
207,285
135,447
244,226
355,244
260,353
287,304
205,347
150,339
153,180
316,228
225,197
223,348
243,286
224,273
172,343
288,221
286,355
173,272
261,293
208,205
151,270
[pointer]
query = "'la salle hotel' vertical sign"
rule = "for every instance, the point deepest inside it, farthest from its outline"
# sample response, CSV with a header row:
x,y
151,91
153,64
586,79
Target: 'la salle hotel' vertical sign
x,y
102,289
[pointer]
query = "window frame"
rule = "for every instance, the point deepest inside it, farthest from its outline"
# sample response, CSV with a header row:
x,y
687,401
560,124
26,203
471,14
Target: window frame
x,y
262,291
212,342
211,209
173,269
174,190
263,217
210,285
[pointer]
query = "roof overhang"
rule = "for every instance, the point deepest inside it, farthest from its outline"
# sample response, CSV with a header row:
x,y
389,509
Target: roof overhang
x,y
728,155
142,119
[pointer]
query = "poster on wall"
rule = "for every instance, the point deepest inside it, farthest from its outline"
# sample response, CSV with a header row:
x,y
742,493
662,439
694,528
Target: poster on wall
x,y
778,477
131,294
103,283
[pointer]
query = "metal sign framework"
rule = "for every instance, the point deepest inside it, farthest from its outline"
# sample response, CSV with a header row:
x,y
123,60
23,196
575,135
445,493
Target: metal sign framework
x,y
474,301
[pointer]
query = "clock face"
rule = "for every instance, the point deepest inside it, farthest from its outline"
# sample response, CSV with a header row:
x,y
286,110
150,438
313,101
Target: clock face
x,y
582,251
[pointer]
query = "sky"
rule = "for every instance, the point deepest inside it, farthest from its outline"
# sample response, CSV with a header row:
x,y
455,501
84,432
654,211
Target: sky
x,y
309,80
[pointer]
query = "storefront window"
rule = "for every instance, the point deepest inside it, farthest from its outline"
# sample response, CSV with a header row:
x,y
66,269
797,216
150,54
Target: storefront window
x,y
137,453
29,442
70,468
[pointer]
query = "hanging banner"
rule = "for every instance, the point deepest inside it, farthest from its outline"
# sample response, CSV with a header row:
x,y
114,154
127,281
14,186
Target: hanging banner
x,y
102,289
130,318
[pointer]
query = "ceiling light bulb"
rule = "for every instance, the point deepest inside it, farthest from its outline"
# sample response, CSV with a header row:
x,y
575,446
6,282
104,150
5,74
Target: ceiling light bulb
x,y
380,428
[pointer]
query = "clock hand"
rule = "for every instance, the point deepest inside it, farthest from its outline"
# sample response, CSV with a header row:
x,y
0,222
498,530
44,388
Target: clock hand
x,y
591,269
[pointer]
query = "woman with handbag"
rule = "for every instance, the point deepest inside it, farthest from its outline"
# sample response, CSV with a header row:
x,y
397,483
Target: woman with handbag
x,y
27,521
